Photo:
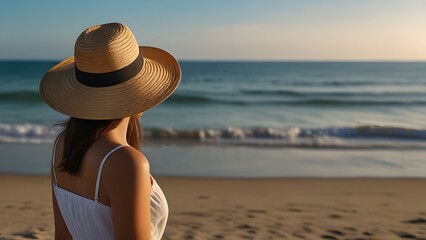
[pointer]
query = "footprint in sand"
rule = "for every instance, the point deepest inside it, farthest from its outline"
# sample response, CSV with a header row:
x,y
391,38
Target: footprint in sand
x,y
248,228
298,235
203,197
406,235
334,216
25,208
194,227
328,237
278,234
336,232
416,221
218,236
352,229
188,235
26,234
278,224
250,212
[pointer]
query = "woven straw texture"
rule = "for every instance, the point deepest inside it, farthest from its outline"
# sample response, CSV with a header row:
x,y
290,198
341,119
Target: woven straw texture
x,y
103,49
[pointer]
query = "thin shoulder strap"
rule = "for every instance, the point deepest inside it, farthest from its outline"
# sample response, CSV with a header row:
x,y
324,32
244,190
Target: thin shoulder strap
x,y
53,156
100,170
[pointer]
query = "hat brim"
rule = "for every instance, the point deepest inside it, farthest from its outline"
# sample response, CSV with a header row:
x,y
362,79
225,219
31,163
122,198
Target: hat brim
x,y
157,80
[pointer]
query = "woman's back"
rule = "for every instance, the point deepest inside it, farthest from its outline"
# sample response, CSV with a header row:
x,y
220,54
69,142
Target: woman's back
x,y
104,88
83,200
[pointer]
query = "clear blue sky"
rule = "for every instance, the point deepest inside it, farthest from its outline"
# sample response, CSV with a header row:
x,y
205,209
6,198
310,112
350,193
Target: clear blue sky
x,y
225,29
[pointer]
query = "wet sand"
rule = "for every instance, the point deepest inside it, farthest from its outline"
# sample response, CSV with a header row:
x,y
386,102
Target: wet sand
x,y
281,208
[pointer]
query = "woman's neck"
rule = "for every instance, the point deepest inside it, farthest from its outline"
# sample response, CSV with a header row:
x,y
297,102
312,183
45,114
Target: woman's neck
x,y
119,134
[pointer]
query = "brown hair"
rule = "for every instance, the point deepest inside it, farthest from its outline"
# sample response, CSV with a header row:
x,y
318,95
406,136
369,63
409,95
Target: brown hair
x,y
80,134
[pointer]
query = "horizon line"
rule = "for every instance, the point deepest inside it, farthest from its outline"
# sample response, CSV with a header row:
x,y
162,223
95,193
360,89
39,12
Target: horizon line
x,y
245,60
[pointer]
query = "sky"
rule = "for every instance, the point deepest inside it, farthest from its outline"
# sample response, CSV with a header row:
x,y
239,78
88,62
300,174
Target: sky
x,y
372,30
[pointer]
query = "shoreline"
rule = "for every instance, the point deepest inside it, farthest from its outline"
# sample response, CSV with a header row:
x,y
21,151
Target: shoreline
x,y
235,208
241,162
42,175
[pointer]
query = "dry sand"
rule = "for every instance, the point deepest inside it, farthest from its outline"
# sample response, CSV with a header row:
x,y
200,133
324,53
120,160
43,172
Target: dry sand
x,y
202,208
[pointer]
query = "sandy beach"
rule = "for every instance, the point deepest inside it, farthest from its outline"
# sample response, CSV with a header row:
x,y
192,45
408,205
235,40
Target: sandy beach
x,y
207,208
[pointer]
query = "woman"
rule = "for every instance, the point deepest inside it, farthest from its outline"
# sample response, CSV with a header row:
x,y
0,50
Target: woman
x,y
101,184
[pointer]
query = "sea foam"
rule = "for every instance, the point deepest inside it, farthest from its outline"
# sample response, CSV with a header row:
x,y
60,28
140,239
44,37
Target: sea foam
x,y
370,137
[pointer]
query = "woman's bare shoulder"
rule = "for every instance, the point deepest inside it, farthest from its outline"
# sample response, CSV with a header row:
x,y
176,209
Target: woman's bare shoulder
x,y
127,177
125,161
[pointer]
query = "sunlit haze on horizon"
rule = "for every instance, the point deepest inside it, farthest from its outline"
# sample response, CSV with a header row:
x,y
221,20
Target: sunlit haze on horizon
x,y
390,30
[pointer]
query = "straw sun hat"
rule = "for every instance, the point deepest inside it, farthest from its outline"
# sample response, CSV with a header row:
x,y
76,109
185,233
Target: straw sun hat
x,y
110,76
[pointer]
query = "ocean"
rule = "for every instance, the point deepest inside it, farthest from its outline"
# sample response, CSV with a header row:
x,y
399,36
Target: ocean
x,y
251,119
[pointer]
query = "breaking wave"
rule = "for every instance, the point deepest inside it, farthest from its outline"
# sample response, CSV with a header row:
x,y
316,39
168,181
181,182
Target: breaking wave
x,y
373,137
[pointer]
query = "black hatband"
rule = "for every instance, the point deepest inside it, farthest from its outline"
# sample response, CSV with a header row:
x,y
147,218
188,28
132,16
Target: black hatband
x,y
110,78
